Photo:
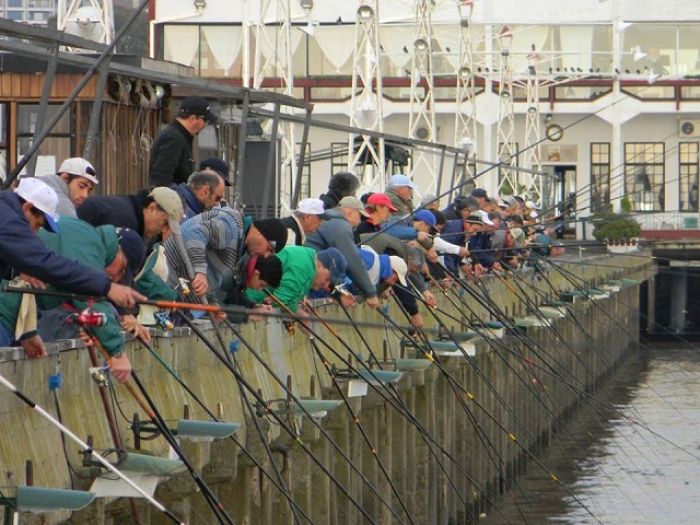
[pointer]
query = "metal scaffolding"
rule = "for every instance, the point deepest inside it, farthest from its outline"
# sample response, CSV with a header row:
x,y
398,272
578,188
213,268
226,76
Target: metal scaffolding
x,y
366,110
93,20
465,114
275,38
421,122
507,150
532,130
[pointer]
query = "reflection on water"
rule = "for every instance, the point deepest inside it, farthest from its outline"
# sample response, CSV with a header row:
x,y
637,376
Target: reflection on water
x,y
622,473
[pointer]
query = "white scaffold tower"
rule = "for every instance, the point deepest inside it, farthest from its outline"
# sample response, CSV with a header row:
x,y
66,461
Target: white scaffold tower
x,y
508,177
90,19
273,58
421,123
532,131
366,109
465,116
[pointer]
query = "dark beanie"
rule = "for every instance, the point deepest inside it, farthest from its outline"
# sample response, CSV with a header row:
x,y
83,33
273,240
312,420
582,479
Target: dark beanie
x,y
133,247
274,231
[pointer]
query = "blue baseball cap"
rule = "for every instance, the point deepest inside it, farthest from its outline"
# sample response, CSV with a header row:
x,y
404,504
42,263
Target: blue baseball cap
x,y
425,216
336,262
401,180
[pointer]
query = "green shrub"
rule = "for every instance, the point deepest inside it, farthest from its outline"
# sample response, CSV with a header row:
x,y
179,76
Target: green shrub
x,y
615,227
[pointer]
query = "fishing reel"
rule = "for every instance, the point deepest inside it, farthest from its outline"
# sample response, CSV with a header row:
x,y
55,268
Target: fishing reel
x,y
290,326
184,286
88,318
163,320
100,375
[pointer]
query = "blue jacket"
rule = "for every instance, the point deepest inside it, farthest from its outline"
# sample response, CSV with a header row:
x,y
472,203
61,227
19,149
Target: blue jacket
x,y
22,251
481,241
453,232
192,205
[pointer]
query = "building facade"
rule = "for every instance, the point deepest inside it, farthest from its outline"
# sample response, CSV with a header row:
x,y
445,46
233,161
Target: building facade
x,y
619,85
35,12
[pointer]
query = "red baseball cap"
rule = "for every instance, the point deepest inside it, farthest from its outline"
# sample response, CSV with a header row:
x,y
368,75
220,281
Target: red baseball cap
x,y
381,199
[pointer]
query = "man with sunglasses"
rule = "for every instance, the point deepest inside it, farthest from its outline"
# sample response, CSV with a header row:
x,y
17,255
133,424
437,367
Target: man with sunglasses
x,y
204,190
73,183
171,160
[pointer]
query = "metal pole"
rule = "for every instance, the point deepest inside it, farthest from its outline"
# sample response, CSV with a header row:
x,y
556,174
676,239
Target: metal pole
x,y
271,156
39,138
43,104
302,158
454,175
243,130
93,134
439,173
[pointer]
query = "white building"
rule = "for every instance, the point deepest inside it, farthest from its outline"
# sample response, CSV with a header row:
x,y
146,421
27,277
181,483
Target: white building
x,y
35,12
623,82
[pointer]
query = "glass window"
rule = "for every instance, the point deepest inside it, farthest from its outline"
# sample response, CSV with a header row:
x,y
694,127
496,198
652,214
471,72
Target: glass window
x,y
688,172
581,92
57,145
650,46
15,15
644,175
600,176
339,157
651,92
14,3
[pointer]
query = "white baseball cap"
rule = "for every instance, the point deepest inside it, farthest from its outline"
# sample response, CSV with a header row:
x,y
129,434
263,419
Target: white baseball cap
x,y
170,201
311,207
485,217
80,167
532,205
400,267
42,197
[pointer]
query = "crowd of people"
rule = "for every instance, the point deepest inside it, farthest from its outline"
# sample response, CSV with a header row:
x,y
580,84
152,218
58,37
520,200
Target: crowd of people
x,y
180,240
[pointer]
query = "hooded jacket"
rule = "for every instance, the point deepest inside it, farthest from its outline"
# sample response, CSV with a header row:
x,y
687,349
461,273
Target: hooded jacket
x,y
337,232
65,205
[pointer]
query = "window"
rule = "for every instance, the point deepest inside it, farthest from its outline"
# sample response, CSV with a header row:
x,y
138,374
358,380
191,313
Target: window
x,y
56,146
600,176
688,172
644,175
3,141
339,157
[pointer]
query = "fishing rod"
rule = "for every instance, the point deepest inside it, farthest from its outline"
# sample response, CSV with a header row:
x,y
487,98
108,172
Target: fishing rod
x,y
425,436
391,401
87,449
268,411
631,420
152,412
353,415
547,469
275,482
495,457
230,356
177,305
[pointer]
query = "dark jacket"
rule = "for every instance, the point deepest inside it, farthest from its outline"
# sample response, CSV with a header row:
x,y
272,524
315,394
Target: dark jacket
x,y
454,232
171,160
479,249
330,200
451,213
295,233
336,232
123,211
192,205
22,251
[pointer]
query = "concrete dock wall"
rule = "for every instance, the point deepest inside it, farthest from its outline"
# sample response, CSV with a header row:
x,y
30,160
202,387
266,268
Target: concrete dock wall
x,y
488,415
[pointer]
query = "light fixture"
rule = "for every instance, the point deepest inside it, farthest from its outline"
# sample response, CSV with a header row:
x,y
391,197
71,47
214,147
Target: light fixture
x,y
195,430
505,93
548,118
38,499
532,109
421,44
200,4
464,72
652,77
159,91
466,7
153,465
307,5
505,37
365,12
638,54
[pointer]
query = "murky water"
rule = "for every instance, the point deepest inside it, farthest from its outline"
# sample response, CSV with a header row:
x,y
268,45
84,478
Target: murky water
x,y
617,472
